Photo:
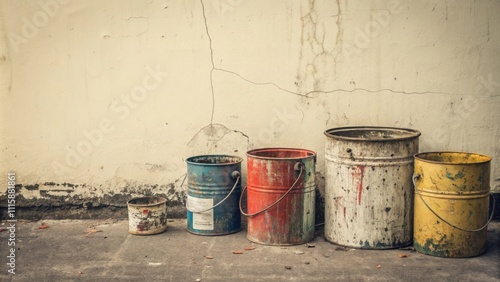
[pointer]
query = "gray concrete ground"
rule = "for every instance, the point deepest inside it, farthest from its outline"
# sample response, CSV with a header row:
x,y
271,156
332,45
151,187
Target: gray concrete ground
x,y
100,250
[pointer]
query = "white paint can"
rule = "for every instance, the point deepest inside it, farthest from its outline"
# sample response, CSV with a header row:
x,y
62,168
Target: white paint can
x,y
147,215
369,191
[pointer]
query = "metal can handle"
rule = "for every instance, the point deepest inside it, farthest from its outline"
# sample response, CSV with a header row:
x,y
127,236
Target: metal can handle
x,y
298,165
416,176
234,174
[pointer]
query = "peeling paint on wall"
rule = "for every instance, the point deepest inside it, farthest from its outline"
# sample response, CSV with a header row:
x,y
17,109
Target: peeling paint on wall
x,y
217,137
67,200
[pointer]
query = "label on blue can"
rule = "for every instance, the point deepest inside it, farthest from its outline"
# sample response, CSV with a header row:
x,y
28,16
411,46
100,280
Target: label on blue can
x,y
202,220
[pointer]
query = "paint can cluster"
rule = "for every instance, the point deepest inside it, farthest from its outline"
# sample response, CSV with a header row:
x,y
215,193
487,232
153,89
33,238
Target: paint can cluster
x,y
280,198
380,193
280,195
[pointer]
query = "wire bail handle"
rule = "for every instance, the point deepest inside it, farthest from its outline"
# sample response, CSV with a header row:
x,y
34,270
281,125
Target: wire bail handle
x,y
299,166
418,176
234,175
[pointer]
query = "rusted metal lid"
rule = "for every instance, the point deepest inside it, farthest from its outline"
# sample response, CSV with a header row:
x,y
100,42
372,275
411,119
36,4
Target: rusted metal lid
x,y
371,133
214,160
281,154
146,201
452,158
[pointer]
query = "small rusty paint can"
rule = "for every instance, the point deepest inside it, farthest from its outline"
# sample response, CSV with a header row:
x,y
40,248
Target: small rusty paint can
x,y
214,187
281,196
451,203
147,215
368,193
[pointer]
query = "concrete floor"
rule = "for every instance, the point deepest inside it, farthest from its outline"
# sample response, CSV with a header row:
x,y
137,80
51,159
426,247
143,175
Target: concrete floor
x,y
64,251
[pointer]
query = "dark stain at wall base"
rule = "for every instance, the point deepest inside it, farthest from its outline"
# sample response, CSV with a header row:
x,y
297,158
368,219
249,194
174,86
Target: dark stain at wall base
x,y
27,187
114,206
62,203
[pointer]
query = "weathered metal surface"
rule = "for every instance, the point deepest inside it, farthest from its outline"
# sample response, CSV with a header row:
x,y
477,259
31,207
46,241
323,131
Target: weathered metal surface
x,y
210,180
147,215
368,193
455,186
271,172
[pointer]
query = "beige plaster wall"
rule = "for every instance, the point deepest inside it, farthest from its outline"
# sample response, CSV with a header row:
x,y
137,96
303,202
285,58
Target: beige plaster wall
x,y
106,98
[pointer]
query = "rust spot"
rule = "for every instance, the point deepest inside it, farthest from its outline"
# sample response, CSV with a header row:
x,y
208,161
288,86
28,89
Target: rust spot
x,y
145,212
143,225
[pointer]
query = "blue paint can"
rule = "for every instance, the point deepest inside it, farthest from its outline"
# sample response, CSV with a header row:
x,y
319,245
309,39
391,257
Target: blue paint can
x,y
214,189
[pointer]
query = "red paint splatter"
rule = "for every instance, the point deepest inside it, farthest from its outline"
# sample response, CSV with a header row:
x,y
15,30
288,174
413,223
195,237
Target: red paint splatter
x,y
145,211
357,175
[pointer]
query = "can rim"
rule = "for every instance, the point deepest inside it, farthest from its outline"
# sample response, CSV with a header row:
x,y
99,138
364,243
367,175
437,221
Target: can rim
x,y
408,133
159,201
310,153
419,157
236,160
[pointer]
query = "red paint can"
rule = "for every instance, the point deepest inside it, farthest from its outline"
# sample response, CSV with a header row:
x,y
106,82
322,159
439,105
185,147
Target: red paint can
x,y
281,196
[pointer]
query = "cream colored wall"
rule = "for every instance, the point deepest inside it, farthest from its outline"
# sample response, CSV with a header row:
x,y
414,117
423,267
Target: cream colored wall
x,y
111,97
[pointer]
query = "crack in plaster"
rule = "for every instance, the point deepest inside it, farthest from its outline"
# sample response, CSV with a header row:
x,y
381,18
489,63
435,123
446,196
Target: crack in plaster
x,y
211,60
262,83
339,38
212,131
309,36
307,94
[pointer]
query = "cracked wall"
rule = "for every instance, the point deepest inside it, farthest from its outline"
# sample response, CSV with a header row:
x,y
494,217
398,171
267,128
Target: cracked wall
x,y
103,101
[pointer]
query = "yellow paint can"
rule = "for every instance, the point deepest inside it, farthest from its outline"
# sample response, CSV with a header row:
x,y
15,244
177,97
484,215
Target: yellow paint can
x,y
451,203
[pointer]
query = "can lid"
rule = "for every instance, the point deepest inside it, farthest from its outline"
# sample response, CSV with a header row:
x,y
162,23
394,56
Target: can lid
x,y
452,158
371,133
146,201
214,160
281,154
